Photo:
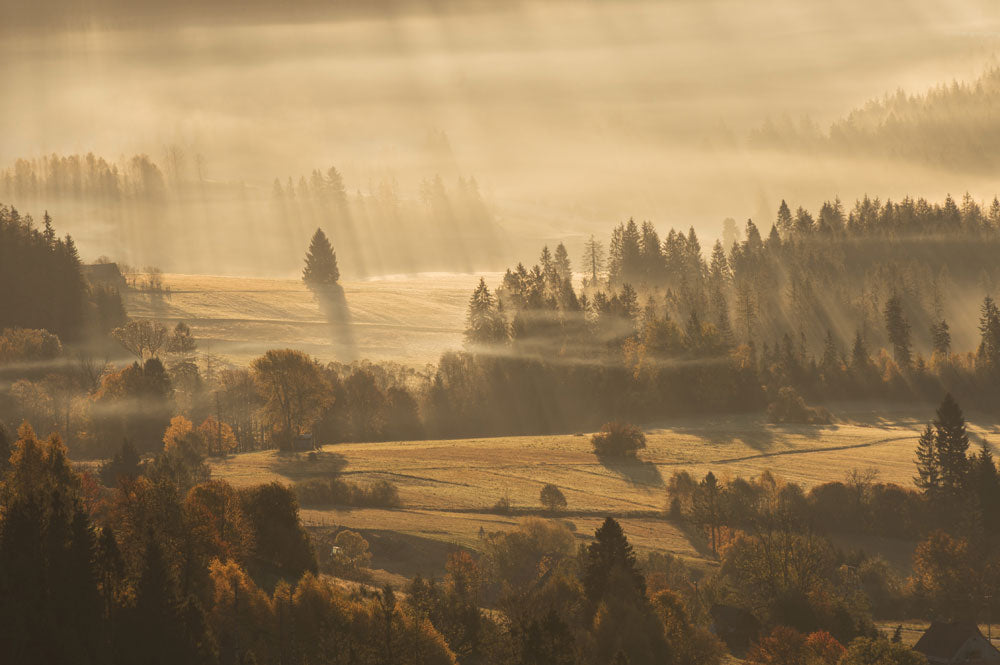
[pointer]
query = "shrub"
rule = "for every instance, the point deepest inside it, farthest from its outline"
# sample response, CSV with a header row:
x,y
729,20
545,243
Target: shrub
x,y
618,439
865,650
504,505
789,407
552,498
323,492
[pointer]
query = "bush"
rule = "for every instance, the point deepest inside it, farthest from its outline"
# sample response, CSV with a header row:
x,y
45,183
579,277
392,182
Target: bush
x,y
346,555
789,407
27,344
323,492
865,650
618,439
504,504
552,498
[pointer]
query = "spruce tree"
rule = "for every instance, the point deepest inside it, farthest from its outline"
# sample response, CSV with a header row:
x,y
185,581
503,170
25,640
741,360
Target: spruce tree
x,y
952,444
899,331
593,259
941,337
989,328
609,553
485,324
321,263
783,224
928,471
562,264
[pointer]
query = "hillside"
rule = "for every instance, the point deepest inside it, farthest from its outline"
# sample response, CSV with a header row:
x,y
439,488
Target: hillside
x,y
448,488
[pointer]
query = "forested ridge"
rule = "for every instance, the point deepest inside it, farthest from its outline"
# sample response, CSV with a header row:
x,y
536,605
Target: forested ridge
x,y
952,126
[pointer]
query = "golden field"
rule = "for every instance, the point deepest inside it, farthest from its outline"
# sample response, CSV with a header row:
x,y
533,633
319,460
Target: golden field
x,y
448,488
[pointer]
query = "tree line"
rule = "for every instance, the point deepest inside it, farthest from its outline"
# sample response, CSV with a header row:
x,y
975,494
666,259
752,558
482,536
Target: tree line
x,y
43,287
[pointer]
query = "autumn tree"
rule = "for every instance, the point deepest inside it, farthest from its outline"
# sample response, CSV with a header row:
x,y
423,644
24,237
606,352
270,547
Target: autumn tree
x,y
293,390
141,338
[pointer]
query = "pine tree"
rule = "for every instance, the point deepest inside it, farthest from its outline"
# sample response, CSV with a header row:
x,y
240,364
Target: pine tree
x,y
156,626
562,264
593,259
952,444
611,552
49,233
899,331
860,359
989,329
941,337
485,324
321,263
928,470
783,224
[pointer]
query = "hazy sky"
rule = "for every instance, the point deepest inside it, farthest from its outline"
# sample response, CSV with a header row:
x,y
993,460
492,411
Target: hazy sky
x,y
572,114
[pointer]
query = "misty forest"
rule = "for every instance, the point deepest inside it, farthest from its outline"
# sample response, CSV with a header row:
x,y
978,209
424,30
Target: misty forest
x,y
499,333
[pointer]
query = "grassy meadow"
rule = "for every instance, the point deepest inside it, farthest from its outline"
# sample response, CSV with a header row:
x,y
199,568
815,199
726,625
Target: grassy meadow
x,y
411,319
448,488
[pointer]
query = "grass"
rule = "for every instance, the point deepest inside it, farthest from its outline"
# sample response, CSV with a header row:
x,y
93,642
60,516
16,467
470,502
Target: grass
x,y
410,320
448,487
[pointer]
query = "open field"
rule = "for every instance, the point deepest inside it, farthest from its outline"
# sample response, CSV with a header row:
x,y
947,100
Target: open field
x,y
408,319
448,487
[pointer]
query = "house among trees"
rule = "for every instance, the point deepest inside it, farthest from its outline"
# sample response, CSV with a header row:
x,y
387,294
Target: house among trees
x,y
958,642
104,274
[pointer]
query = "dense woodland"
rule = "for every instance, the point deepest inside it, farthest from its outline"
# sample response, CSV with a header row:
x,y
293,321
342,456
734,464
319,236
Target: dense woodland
x,y
952,126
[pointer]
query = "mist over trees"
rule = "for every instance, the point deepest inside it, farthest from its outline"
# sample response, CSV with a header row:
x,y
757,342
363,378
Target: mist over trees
x,y
135,208
952,125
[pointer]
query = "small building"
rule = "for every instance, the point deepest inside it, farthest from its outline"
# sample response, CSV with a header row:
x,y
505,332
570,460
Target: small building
x,y
104,274
956,642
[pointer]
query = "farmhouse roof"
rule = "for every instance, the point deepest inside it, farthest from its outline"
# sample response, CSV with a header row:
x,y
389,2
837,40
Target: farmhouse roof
x,y
942,641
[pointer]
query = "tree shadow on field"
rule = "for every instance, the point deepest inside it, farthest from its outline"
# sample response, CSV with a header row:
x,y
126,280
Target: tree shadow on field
x,y
633,470
758,436
308,464
333,306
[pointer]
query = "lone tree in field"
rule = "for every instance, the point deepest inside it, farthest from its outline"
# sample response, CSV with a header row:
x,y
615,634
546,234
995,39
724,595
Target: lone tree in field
x,y
618,439
552,498
321,263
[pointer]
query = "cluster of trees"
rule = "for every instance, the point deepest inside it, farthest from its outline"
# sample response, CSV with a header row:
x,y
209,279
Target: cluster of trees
x,y
83,177
846,304
950,126
285,399
956,567
43,285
